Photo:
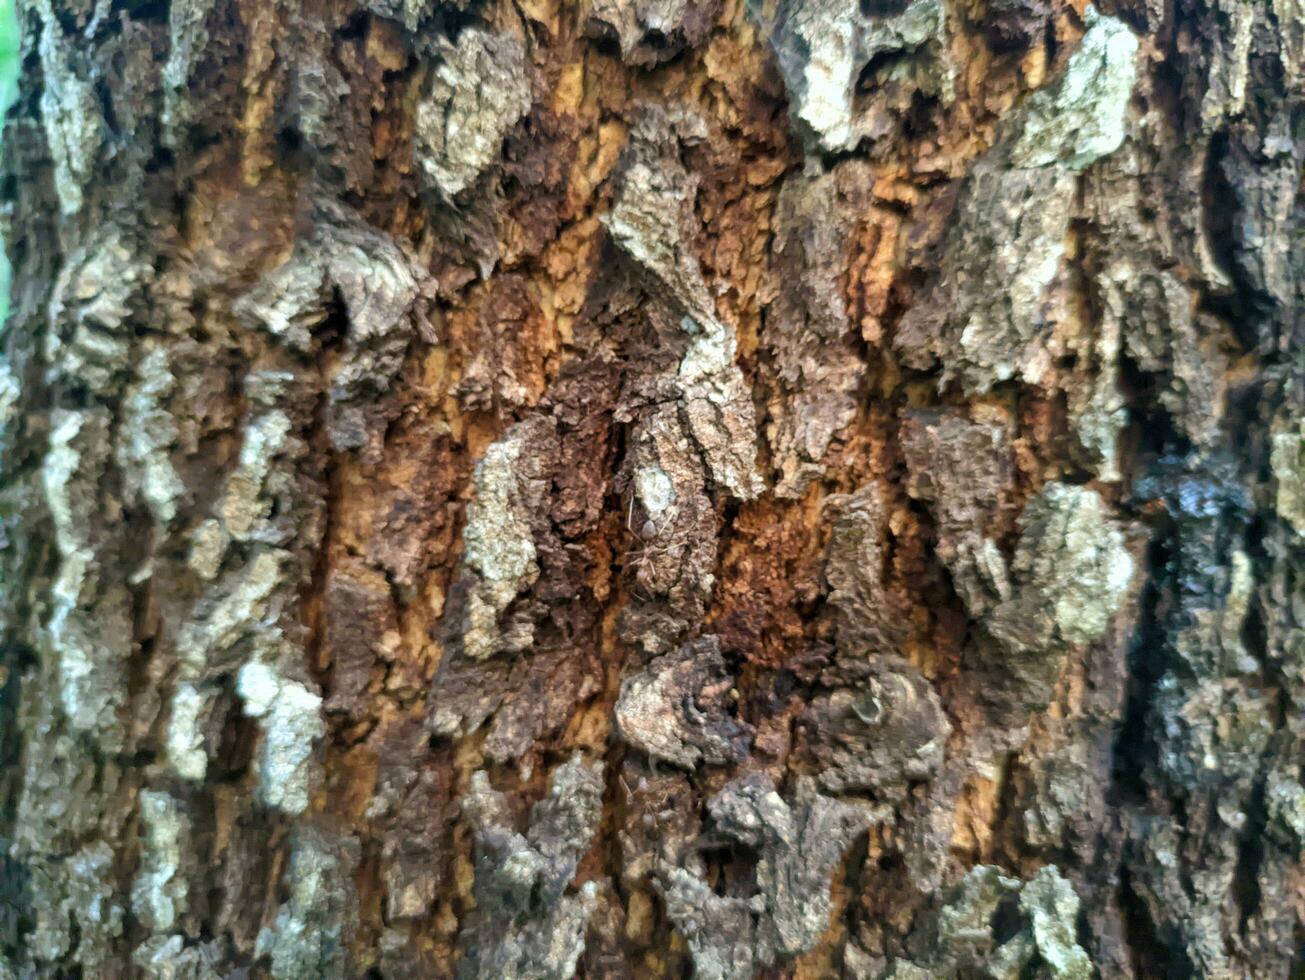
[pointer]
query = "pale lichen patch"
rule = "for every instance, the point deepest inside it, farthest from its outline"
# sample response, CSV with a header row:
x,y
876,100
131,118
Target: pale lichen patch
x,y
343,257
649,32
499,542
1012,224
188,37
651,222
81,918
655,489
160,891
1071,571
184,739
236,621
244,501
1082,118
475,94
10,391
291,719
1069,577
70,112
149,430
526,924
823,48
88,631
798,845
1287,460
95,296
237,607
996,925
311,934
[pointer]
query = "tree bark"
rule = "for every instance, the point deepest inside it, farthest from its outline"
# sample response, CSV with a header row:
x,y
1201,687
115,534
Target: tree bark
x,y
654,488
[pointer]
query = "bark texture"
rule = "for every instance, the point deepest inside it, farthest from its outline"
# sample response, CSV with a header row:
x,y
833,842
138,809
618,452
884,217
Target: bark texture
x,y
809,488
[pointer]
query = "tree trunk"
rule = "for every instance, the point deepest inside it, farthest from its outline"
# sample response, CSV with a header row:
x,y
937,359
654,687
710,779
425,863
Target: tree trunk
x,y
654,487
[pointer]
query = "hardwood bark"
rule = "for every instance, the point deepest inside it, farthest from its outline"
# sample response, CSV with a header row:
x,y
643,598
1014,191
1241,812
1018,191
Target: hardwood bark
x,y
654,487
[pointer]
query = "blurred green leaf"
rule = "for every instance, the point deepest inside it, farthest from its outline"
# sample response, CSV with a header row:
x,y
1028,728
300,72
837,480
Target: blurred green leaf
x,y
9,43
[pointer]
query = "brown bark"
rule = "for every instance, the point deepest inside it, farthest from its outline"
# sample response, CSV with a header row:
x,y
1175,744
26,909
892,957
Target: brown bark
x,y
652,487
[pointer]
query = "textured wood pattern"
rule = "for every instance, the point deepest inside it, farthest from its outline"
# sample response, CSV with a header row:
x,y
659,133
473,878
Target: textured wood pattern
x,y
645,487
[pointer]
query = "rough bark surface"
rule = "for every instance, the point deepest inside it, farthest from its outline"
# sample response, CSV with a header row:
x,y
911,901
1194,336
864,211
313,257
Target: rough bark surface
x,y
798,488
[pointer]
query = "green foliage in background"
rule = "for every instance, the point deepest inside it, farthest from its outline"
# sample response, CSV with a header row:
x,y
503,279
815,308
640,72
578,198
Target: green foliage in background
x,y
8,92
8,53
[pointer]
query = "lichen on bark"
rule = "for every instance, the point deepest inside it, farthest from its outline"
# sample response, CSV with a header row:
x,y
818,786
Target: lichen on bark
x,y
650,488
527,926
798,847
827,48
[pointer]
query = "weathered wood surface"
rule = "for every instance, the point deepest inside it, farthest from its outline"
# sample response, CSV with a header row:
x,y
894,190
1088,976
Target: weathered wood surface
x,y
641,487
